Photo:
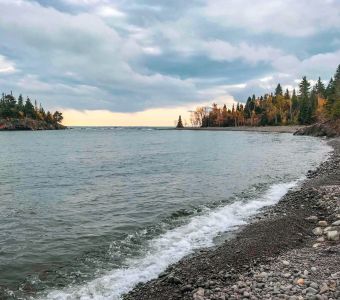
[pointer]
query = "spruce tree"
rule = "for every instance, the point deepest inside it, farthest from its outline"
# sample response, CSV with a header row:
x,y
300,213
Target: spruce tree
x,y
20,103
304,94
333,95
29,109
320,88
287,96
179,123
295,101
278,90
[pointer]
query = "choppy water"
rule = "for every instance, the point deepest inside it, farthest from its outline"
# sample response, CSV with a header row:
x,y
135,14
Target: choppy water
x,y
88,213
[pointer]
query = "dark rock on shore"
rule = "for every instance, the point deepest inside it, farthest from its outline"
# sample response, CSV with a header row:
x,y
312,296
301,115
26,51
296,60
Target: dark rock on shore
x,y
28,124
328,129
276,256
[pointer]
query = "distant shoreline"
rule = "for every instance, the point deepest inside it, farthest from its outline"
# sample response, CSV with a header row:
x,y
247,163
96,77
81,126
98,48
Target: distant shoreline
x,y
28,124
280,129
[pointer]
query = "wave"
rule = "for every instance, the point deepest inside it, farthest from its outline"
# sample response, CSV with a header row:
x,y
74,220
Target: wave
x,y
171,246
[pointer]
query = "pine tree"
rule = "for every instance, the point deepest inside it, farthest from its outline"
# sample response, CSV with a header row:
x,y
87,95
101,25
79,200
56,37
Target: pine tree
x,y
20,103
179,123
304,115
29,109
320,88
287,96
295,101
333,95
278,90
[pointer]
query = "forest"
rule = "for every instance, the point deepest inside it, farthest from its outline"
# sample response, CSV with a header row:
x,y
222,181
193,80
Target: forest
x,y
307,105
12,108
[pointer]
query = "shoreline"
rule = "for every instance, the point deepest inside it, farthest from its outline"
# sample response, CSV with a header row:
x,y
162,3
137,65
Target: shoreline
x,y
279,129
27,124
276,255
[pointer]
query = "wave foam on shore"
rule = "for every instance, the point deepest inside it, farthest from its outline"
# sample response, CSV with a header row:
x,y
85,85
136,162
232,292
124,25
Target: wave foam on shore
x,y
171,246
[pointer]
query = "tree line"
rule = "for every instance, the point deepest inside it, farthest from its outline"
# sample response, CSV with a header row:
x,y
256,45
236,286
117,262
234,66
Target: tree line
x,y
305,106
10,107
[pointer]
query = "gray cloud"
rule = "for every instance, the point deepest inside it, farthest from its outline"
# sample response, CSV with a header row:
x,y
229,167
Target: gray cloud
x,y
133,55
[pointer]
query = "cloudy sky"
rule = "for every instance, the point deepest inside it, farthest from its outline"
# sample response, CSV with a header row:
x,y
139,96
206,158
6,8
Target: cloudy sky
x,y
142,62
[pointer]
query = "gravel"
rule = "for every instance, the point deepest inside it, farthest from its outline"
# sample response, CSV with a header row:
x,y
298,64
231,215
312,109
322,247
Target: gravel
x,y
288,251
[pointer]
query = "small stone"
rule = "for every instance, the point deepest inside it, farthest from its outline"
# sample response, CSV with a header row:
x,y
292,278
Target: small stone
x,y
310,290
324,288
318,231
305,272
246,294
175,280
323,223
336,223
286,275
186,288
300,281
312,218
329,228
199,295
320,239
314,285
285,262
313,269
316,245
333,235
263,274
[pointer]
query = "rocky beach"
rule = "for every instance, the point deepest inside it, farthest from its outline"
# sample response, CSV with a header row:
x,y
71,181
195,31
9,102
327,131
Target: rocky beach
x,y
288,251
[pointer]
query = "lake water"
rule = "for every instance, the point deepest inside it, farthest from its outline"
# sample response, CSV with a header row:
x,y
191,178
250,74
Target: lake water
x,y
87,213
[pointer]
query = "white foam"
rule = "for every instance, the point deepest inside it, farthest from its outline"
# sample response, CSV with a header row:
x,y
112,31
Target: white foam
x,y
171,247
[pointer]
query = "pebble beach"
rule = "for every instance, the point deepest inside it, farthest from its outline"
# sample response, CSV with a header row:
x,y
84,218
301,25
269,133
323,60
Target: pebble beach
x,y
288,251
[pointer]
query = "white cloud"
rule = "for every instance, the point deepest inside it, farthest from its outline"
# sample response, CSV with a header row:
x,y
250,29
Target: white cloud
x,y
94,54
221,50
6,66
108,11
104,54
288,17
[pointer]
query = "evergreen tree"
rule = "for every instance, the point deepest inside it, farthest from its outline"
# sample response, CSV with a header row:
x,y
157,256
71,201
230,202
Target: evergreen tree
x,y
179,123
287,96
320,88
295,101
29,109
278,90
49,118
330,87
20,103
333,96
58,117
304,94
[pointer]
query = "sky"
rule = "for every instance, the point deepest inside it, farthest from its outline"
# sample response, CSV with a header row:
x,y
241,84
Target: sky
x,y
144,62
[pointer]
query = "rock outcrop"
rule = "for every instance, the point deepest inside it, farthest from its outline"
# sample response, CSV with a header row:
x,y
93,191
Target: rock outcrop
x,y
328,129
28,124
